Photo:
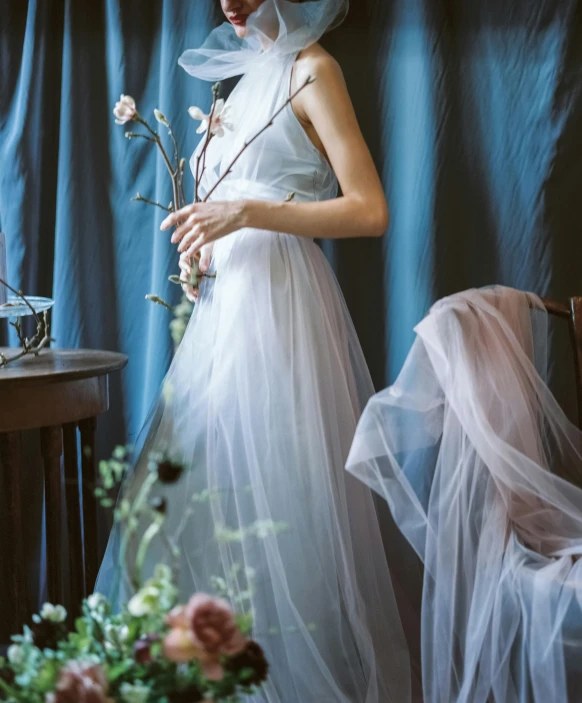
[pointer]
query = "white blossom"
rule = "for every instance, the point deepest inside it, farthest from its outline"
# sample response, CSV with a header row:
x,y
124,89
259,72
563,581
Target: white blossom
x,y
54,613
96,602
219,119
145,602
125,109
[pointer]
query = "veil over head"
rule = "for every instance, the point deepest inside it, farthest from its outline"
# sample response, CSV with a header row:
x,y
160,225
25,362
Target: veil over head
x,y
277,28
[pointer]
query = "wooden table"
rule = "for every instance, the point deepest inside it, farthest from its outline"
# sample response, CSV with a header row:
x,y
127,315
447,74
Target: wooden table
x,y
56,393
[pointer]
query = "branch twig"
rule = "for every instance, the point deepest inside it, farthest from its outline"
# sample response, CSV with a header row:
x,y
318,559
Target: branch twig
x,y
171,170
201,158
257,135
41,339
139,198
20,295
136,135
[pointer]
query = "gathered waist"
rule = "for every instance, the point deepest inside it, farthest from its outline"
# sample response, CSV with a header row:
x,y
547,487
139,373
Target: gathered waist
x,y
244,189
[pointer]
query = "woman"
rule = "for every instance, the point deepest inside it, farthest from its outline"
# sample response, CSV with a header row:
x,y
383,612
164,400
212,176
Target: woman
x,y
265,391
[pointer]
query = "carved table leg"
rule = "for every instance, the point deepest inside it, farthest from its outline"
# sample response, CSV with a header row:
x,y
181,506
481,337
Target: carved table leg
x,y
74,526
15,614
51,445
87,428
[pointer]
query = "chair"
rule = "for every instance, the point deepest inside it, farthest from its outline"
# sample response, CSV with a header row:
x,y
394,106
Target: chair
x,y
573,313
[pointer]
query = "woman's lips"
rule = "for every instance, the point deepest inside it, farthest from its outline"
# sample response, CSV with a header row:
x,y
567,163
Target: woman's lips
x,y
239,20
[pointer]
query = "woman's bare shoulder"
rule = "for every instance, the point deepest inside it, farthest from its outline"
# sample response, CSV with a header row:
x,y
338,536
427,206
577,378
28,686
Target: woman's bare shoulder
x,y
316,62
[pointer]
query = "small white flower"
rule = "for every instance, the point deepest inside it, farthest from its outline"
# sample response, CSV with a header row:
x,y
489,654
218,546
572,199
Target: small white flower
x,y
96,601
125,109
54,613
145,602
219,119
134,693
15,654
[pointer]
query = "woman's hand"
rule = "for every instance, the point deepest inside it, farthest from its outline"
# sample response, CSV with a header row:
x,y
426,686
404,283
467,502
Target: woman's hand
x,y
200,224
203,258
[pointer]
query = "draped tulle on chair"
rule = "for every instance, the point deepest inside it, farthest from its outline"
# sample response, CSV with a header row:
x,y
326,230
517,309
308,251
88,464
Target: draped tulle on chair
x,y
465,447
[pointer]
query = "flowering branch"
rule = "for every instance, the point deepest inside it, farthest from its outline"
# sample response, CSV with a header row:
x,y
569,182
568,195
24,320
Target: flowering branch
x,y
209,134
173,171
246,145
182,168
125,111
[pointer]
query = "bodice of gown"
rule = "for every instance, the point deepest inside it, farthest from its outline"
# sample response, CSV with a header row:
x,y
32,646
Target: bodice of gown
x,y
282,159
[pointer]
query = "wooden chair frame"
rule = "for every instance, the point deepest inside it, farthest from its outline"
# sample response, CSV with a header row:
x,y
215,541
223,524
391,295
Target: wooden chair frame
x,y
573,313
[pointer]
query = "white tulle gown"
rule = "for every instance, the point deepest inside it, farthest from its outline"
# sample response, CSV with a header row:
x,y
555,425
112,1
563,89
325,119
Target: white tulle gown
x,y
262,401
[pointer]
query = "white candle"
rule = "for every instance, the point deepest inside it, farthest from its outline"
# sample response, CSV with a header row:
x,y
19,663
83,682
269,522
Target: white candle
x,y
3,273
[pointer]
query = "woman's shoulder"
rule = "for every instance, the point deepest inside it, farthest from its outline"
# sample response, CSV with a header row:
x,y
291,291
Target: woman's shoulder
x,y
316,62
319,65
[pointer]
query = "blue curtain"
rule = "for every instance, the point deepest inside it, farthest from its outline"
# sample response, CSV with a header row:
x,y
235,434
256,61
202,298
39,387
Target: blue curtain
x,y
472,112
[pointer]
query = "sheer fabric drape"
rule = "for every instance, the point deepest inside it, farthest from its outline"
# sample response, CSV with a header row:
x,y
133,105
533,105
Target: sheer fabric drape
x,y
466,447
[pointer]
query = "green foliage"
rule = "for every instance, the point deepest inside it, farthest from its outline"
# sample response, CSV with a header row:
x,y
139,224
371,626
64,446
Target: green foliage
x,y
182,313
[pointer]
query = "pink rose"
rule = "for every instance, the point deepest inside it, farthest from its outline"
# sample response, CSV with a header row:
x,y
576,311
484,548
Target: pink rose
x,y
80,682
124,109
205,629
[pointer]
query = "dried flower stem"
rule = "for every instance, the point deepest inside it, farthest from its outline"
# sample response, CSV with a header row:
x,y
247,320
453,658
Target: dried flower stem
x,y
257,135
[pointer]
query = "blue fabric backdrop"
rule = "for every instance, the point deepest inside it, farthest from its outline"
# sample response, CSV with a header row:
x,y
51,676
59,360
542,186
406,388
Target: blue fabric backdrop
x,y
472,111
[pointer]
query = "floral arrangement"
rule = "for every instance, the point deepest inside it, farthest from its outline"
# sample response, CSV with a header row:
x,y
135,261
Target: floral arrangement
x,y
154,649
212,125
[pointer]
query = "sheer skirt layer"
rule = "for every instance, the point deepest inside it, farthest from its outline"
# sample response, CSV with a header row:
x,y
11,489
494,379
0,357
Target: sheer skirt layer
x,y
262,401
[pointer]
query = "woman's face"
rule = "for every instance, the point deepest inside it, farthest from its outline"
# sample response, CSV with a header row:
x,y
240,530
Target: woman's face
x,y
237,13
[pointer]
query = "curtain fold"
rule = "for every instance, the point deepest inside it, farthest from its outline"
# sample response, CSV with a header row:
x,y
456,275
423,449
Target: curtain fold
x,y
472,112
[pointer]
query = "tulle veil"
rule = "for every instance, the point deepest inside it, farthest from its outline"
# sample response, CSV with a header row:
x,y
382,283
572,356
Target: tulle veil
x,y
277,29
468,448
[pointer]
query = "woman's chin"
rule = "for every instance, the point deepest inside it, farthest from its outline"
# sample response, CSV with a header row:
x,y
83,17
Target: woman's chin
x,y
241,31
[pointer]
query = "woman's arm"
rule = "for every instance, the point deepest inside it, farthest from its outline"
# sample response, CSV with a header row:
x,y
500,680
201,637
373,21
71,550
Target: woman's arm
x,y
325,108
